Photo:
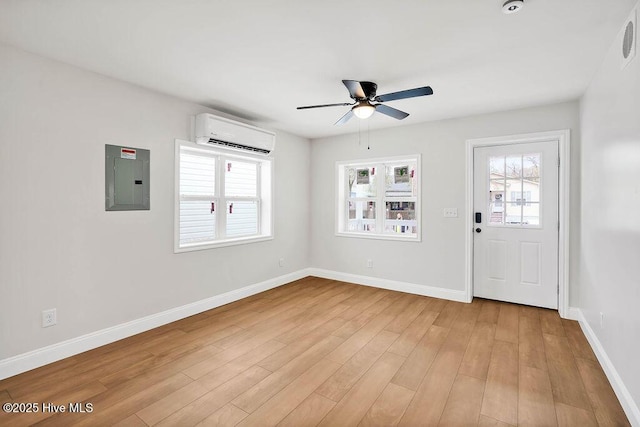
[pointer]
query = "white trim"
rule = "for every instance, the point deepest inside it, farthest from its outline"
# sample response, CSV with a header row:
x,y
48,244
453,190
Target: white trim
x,y
393,285
622,393
564,148
45,355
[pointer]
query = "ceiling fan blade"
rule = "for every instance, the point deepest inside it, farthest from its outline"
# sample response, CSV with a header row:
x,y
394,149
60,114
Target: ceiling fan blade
x,y
391,112
344,119
403,94
342,104
355,89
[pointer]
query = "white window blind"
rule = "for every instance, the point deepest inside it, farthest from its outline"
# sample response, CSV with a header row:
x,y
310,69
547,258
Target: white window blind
x,y
222,198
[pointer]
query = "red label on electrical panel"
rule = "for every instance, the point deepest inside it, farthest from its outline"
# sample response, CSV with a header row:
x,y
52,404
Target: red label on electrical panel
x,y
128,153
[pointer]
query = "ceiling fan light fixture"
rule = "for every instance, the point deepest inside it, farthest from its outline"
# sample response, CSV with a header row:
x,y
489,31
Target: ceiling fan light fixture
x,y
512,6
363,110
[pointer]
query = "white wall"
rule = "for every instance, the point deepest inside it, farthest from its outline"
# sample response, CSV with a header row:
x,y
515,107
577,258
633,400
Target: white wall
x,y
439,260
58,246
610,233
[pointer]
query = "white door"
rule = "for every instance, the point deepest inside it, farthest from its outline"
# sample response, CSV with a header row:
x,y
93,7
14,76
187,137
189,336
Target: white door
x,y
516,231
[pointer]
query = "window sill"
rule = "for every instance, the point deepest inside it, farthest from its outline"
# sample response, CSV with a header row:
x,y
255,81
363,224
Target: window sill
x,y
399,237
221,244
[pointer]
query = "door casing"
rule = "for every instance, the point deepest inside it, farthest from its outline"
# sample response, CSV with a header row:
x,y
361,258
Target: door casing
x,y
564,142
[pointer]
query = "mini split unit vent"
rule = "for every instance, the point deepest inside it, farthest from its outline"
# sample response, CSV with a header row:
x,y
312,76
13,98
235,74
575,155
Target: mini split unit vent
x,y
629,39
219,132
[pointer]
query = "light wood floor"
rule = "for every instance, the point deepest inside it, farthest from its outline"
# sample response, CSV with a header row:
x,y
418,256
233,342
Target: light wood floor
x,y
320,352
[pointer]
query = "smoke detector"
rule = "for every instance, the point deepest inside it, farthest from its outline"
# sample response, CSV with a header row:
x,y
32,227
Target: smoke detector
x,y
512,6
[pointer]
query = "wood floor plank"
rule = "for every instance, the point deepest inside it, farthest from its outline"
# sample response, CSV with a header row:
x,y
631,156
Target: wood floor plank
x,y
535,398
228,415
407,316
161,409
209,403
131,421
370,297
309,413
255,396
501,392
412,335
306,327
605,404
569,416
531,344
289,352
467,316
352,326
417,365
432,394
557,348
507,326
489,311
567,384
359,339
491,422
388,409
236,366
578,342
339,384
464,402
475,362
280,405
551,322
448,314
355,404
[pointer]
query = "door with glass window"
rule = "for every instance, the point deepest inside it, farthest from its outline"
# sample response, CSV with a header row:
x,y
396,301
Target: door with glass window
x,y
516,223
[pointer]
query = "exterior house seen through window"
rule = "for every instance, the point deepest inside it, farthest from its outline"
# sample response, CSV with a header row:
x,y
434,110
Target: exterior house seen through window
x,y
223,197
379,198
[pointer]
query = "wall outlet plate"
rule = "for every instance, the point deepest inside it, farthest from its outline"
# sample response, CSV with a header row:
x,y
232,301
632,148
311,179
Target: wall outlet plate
x,y
49,317
450,212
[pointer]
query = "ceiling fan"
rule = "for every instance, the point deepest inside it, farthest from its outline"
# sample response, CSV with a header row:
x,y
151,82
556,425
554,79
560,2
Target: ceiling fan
x,y
364,95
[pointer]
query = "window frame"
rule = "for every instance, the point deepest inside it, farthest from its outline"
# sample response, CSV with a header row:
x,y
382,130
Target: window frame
x,y
343,198
264,196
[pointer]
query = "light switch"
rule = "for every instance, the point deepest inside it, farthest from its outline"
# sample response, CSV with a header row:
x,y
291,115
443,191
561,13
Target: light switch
x,y
450,212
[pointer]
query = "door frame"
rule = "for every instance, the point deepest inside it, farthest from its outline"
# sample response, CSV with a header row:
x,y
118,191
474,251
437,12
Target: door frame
x,y
563,137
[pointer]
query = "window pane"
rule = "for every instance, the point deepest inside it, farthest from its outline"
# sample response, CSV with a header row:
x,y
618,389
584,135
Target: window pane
x,y
242,218
496,166
514,166
362,181
400,217
197,222
496,212
531,165
531,214
362,216
240,179
400,180
197,174
513,213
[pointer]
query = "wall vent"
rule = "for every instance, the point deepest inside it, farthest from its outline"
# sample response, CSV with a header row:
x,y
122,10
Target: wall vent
x,y
629,39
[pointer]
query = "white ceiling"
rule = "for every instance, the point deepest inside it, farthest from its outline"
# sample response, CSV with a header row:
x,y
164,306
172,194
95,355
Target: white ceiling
x,y
260,59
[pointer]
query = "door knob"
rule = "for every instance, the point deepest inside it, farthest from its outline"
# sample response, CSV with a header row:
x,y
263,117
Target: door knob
x,y
478,230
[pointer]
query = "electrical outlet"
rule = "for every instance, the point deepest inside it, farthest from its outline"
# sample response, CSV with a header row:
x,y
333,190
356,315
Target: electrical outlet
x,y
369,263
281,262
49,318
450,212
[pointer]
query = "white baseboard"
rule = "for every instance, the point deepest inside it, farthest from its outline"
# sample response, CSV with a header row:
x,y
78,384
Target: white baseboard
x,y
411,288
573,313
630,407
43,356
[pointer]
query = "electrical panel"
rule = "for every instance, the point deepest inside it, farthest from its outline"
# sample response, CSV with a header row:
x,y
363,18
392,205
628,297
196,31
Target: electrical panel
x,y
126,178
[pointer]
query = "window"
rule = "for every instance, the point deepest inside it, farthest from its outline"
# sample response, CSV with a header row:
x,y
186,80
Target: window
x,y
514,183
223,197
379,198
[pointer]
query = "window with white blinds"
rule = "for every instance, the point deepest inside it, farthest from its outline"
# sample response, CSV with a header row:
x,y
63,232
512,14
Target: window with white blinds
x,y
222,198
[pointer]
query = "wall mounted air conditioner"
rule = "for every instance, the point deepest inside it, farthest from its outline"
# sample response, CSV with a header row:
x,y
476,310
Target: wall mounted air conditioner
x,y
220,132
